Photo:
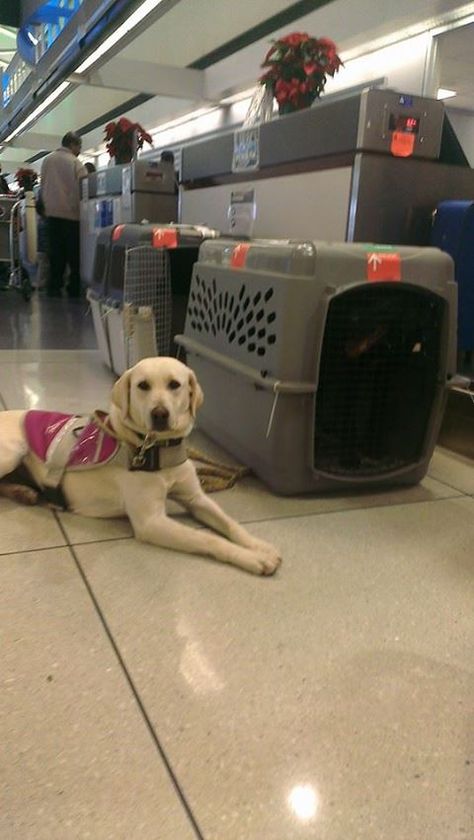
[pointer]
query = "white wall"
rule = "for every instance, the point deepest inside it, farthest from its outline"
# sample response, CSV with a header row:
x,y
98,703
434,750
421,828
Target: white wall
x,y
350,24
403,65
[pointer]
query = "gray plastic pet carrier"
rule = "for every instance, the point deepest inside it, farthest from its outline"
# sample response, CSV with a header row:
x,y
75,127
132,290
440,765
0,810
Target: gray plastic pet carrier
x,y
323,365
140,287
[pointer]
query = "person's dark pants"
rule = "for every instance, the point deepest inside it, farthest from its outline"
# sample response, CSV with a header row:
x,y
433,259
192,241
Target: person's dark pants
x,y
63,251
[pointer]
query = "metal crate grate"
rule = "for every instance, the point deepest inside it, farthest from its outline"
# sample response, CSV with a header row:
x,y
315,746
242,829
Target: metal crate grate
x,y
378,379
242,317
147,291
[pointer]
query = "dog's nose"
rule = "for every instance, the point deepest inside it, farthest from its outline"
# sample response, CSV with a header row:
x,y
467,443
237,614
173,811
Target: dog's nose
x,y
160,417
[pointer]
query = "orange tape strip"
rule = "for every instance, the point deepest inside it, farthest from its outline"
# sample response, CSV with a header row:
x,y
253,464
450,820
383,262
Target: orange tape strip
x,y
239,255
165,238
383,266
117,232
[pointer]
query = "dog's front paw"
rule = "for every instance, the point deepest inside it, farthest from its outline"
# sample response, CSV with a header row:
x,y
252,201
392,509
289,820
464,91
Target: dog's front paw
x,y
255,562
269,563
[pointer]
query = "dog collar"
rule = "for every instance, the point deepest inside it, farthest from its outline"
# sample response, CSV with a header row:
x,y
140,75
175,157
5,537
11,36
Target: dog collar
x,y
149,455
152,456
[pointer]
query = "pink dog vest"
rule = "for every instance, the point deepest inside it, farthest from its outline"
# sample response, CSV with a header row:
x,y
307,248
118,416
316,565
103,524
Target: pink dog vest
x,y
92,448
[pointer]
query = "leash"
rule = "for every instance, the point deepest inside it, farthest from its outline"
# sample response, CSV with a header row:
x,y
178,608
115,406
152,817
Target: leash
x,y
216,475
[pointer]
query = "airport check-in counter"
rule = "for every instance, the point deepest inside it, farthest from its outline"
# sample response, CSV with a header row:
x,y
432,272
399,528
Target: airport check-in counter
x,y
366,167
126,193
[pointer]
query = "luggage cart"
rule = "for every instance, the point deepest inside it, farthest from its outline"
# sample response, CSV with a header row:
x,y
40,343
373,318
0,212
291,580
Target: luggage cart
x,y
6,204
19,274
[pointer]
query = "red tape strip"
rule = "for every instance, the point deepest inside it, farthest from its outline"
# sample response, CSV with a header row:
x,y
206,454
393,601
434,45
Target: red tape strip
x,y
165,238
239,255
117,232
383,266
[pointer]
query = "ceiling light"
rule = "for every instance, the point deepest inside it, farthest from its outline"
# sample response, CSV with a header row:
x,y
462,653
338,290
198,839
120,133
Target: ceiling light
x,y
8,32
192,115
39,110
445,93
131,22
237,97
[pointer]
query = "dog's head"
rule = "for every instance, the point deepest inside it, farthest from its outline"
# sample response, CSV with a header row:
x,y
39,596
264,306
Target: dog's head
x,y
159,395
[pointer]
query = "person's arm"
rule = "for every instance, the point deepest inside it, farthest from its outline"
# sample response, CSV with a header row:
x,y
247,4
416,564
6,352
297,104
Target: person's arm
x,y
80,170
40,209
44,172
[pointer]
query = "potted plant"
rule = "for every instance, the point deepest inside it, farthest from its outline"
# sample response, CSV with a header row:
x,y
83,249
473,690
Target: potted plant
x,y
298,66
124,138
26,178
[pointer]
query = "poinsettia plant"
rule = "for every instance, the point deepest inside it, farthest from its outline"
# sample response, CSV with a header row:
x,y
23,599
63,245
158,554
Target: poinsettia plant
x,y
26,178
120,137
298,66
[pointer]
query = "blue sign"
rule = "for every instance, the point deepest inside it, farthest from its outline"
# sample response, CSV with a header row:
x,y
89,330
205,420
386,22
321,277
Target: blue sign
x,y
43,27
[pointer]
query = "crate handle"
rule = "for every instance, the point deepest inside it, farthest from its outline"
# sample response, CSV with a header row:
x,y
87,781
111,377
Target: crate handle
x,y
268,383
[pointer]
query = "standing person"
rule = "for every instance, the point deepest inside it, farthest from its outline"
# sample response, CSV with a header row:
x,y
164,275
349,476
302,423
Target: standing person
x,y
167,156
4,188
60,176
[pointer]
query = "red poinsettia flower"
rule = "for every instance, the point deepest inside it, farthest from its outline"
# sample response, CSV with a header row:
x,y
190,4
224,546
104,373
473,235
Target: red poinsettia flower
x,y
125,124
26,177
328,45
295,38
297,66
123,135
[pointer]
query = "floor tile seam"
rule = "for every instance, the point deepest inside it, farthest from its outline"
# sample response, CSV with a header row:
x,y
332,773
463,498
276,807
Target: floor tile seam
x,y
81,543
138,700
451,486
32,550
457,495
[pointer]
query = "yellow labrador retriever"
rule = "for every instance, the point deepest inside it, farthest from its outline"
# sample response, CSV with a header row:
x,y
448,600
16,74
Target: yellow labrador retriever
x,y
152,412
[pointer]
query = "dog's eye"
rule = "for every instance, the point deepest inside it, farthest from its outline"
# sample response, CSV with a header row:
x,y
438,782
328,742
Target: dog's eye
x,y
173,385
144,385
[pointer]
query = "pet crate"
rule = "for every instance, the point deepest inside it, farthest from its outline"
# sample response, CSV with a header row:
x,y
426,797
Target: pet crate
x,y
139,289
323,365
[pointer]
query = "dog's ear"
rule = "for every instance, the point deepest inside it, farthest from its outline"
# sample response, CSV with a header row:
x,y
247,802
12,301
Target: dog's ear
x,y
121,393
196,396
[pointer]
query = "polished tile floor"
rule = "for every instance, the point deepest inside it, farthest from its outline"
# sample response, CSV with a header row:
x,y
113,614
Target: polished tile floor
x,y
148,695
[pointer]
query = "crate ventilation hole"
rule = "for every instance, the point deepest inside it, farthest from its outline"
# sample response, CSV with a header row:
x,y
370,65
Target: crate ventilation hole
x,y
242,318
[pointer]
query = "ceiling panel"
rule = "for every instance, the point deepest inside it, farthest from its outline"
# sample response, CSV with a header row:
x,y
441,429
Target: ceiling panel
x,y
192,29
81,107
149,114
